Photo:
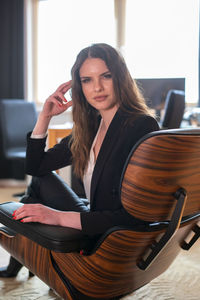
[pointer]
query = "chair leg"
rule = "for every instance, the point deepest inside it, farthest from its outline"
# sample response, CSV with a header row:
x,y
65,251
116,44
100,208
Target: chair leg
x,y
37,259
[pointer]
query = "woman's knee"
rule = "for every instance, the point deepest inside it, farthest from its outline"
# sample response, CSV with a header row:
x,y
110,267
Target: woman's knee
x,y
51,190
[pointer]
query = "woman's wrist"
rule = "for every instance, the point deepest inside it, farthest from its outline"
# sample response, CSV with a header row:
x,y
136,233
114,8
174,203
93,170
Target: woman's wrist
x,y
44,117
42,125
70,219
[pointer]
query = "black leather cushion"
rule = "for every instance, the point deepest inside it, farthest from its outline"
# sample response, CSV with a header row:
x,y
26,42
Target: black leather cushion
x,y
57,238
62,239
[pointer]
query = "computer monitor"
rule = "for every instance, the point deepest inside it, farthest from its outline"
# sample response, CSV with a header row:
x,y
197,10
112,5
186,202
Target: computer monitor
x,y
155,90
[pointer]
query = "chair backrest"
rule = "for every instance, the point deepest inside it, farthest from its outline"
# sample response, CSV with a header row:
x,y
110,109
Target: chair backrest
x,y
17,117
174,109
160,164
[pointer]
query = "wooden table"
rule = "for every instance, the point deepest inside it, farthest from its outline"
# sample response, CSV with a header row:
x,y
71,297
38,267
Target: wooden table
x,y
57,132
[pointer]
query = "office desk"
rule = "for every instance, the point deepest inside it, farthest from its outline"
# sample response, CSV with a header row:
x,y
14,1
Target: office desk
x,y
57,132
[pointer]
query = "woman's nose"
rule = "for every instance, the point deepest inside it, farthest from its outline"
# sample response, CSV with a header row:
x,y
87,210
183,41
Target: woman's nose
x,y
98,85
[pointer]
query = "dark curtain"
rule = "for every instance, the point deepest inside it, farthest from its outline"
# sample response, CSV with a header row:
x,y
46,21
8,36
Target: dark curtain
x,y
11,67
11,49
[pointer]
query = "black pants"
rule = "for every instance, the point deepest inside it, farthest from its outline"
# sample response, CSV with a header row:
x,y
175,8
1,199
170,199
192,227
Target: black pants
x,y
51,190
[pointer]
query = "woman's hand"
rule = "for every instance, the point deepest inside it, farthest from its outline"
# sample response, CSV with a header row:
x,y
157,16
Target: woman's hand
x,y
57,103
54,105
46,215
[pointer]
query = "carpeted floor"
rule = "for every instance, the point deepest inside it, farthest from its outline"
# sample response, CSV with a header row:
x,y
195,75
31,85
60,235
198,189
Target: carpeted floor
x,y
180,282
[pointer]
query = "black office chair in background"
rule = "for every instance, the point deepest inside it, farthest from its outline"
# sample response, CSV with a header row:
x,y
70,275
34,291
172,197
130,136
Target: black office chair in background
x,y
17,118
173,110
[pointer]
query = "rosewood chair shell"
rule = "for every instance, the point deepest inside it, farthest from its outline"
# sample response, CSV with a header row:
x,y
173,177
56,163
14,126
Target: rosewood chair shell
x,y
161,185
159,166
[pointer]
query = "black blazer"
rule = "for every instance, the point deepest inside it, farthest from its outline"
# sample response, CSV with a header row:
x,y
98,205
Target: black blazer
x,y
106,209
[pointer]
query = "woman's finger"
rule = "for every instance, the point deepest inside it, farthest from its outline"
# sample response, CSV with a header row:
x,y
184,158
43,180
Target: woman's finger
x,y
55,100
69,103
27,208
60,97
63,88
22,214
36,213
65,106
31,219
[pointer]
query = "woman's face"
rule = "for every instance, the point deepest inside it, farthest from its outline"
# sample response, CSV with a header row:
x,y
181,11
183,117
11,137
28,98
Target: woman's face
x,y
97,84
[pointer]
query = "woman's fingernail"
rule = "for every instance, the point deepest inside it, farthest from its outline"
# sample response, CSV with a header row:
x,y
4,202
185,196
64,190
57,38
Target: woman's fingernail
x,y
22,220
14,218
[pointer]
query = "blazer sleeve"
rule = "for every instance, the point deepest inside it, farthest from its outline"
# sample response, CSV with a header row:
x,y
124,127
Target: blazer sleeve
x,y
95,222
40,162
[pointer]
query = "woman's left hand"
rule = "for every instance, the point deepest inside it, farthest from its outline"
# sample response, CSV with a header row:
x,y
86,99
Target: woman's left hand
x,y
46,215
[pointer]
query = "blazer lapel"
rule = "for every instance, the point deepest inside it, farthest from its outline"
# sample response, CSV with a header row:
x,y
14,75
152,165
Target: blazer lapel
x,y
106,148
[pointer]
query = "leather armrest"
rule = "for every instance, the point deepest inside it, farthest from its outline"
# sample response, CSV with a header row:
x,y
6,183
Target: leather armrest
x,y
7,231
62,239
56,238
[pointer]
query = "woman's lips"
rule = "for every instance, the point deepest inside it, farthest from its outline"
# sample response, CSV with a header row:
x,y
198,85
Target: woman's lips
x,y
100,98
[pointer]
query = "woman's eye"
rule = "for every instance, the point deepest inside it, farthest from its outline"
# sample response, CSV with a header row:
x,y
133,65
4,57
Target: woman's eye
x,y
108,76
85,80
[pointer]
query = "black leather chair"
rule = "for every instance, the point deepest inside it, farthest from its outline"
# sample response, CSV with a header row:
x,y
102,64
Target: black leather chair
x,y
17,117
173,110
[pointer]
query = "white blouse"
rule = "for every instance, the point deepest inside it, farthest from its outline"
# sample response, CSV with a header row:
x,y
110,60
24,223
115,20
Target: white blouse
x,y
87,177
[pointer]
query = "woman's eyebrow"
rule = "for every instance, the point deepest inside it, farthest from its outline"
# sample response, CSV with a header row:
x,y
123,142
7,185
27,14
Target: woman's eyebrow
x,y
83,77
104,73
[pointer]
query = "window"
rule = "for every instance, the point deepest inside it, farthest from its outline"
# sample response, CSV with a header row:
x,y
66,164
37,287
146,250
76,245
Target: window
x,y
162,38
64,28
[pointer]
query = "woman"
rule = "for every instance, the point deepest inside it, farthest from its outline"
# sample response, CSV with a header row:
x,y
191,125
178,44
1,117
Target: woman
x,y
109,116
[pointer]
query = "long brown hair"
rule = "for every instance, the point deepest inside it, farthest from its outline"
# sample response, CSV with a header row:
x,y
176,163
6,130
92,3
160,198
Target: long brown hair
x,y
85,117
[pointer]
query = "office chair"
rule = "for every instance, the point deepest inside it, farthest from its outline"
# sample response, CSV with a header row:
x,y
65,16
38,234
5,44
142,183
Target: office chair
x,y
17,118
160,185
173,110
